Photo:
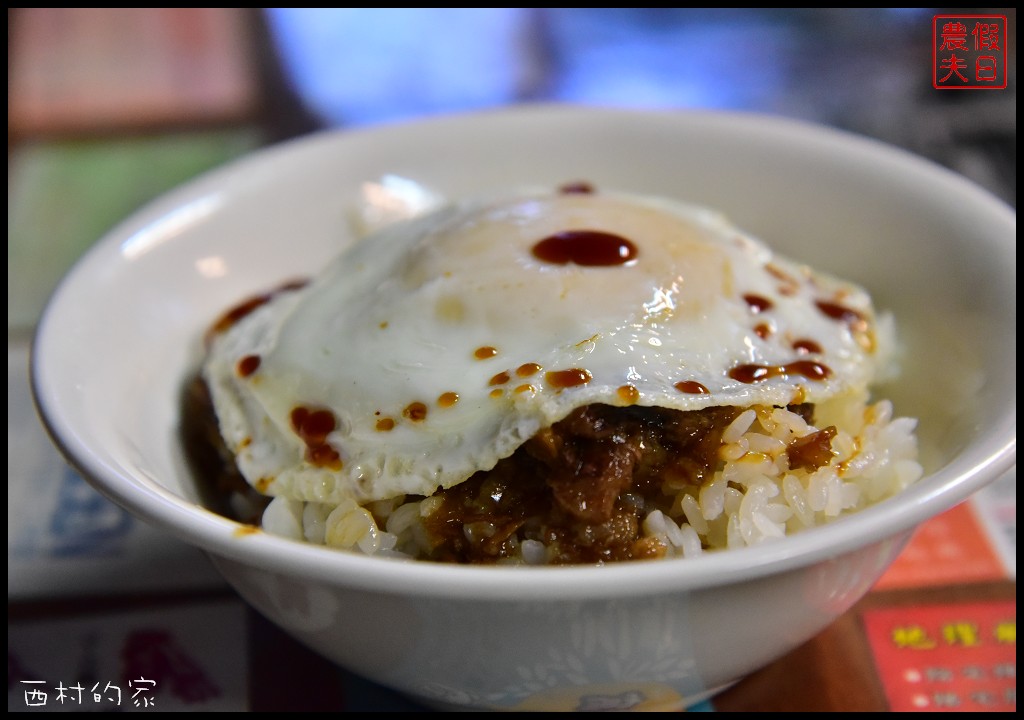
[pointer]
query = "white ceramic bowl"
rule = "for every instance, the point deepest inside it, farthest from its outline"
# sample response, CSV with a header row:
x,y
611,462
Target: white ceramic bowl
x,y
123,331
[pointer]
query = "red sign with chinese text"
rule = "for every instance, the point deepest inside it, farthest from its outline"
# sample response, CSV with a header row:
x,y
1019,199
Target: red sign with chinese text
x,y
969,52
946,657
949,549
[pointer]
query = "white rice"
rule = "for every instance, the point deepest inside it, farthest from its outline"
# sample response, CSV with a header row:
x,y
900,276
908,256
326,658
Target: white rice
x,y
753,496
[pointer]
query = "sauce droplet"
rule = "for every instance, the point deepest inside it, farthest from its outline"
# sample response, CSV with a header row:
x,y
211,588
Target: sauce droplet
x,y
313,427
692,387
497,393
577,188
248,365
239,311
759,373
325,456
447,399
763,330
757,303
589,248
805,346
851,317
628,394
526,388
385,424
415,411
500,379
527,369
568,378
482,353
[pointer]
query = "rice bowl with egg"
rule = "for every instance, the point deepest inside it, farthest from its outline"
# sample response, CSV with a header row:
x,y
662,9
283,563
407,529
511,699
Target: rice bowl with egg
x,y
688,627
553,378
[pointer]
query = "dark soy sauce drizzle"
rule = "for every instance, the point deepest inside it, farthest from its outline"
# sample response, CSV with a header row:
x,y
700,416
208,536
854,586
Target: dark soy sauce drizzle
x,y
590,248
759,373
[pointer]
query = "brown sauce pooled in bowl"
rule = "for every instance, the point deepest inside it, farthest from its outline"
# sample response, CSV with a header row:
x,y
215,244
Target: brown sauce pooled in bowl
x,y
221,486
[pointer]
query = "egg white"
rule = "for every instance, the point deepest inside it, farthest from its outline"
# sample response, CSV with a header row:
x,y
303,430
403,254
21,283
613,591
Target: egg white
x,y
452,302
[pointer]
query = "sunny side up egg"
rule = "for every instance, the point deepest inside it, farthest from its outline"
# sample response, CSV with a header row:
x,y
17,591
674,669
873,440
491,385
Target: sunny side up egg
x,y
436,347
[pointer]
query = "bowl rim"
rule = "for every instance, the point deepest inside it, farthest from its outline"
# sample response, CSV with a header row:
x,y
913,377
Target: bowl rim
x,y
888,521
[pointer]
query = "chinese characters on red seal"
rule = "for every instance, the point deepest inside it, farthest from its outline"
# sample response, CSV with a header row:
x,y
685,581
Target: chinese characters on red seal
x,y
969,52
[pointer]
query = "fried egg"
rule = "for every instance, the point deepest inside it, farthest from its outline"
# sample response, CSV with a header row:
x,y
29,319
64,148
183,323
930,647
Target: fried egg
x,y
435,347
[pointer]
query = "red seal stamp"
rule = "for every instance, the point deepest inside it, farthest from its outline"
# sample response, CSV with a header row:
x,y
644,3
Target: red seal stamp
x,y
969,52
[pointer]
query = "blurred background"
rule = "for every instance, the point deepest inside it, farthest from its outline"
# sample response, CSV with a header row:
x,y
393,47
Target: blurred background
x,y
108,108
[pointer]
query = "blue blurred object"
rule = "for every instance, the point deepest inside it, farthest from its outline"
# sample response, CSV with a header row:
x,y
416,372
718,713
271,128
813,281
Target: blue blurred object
x,y
671,57
362,65
865,70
